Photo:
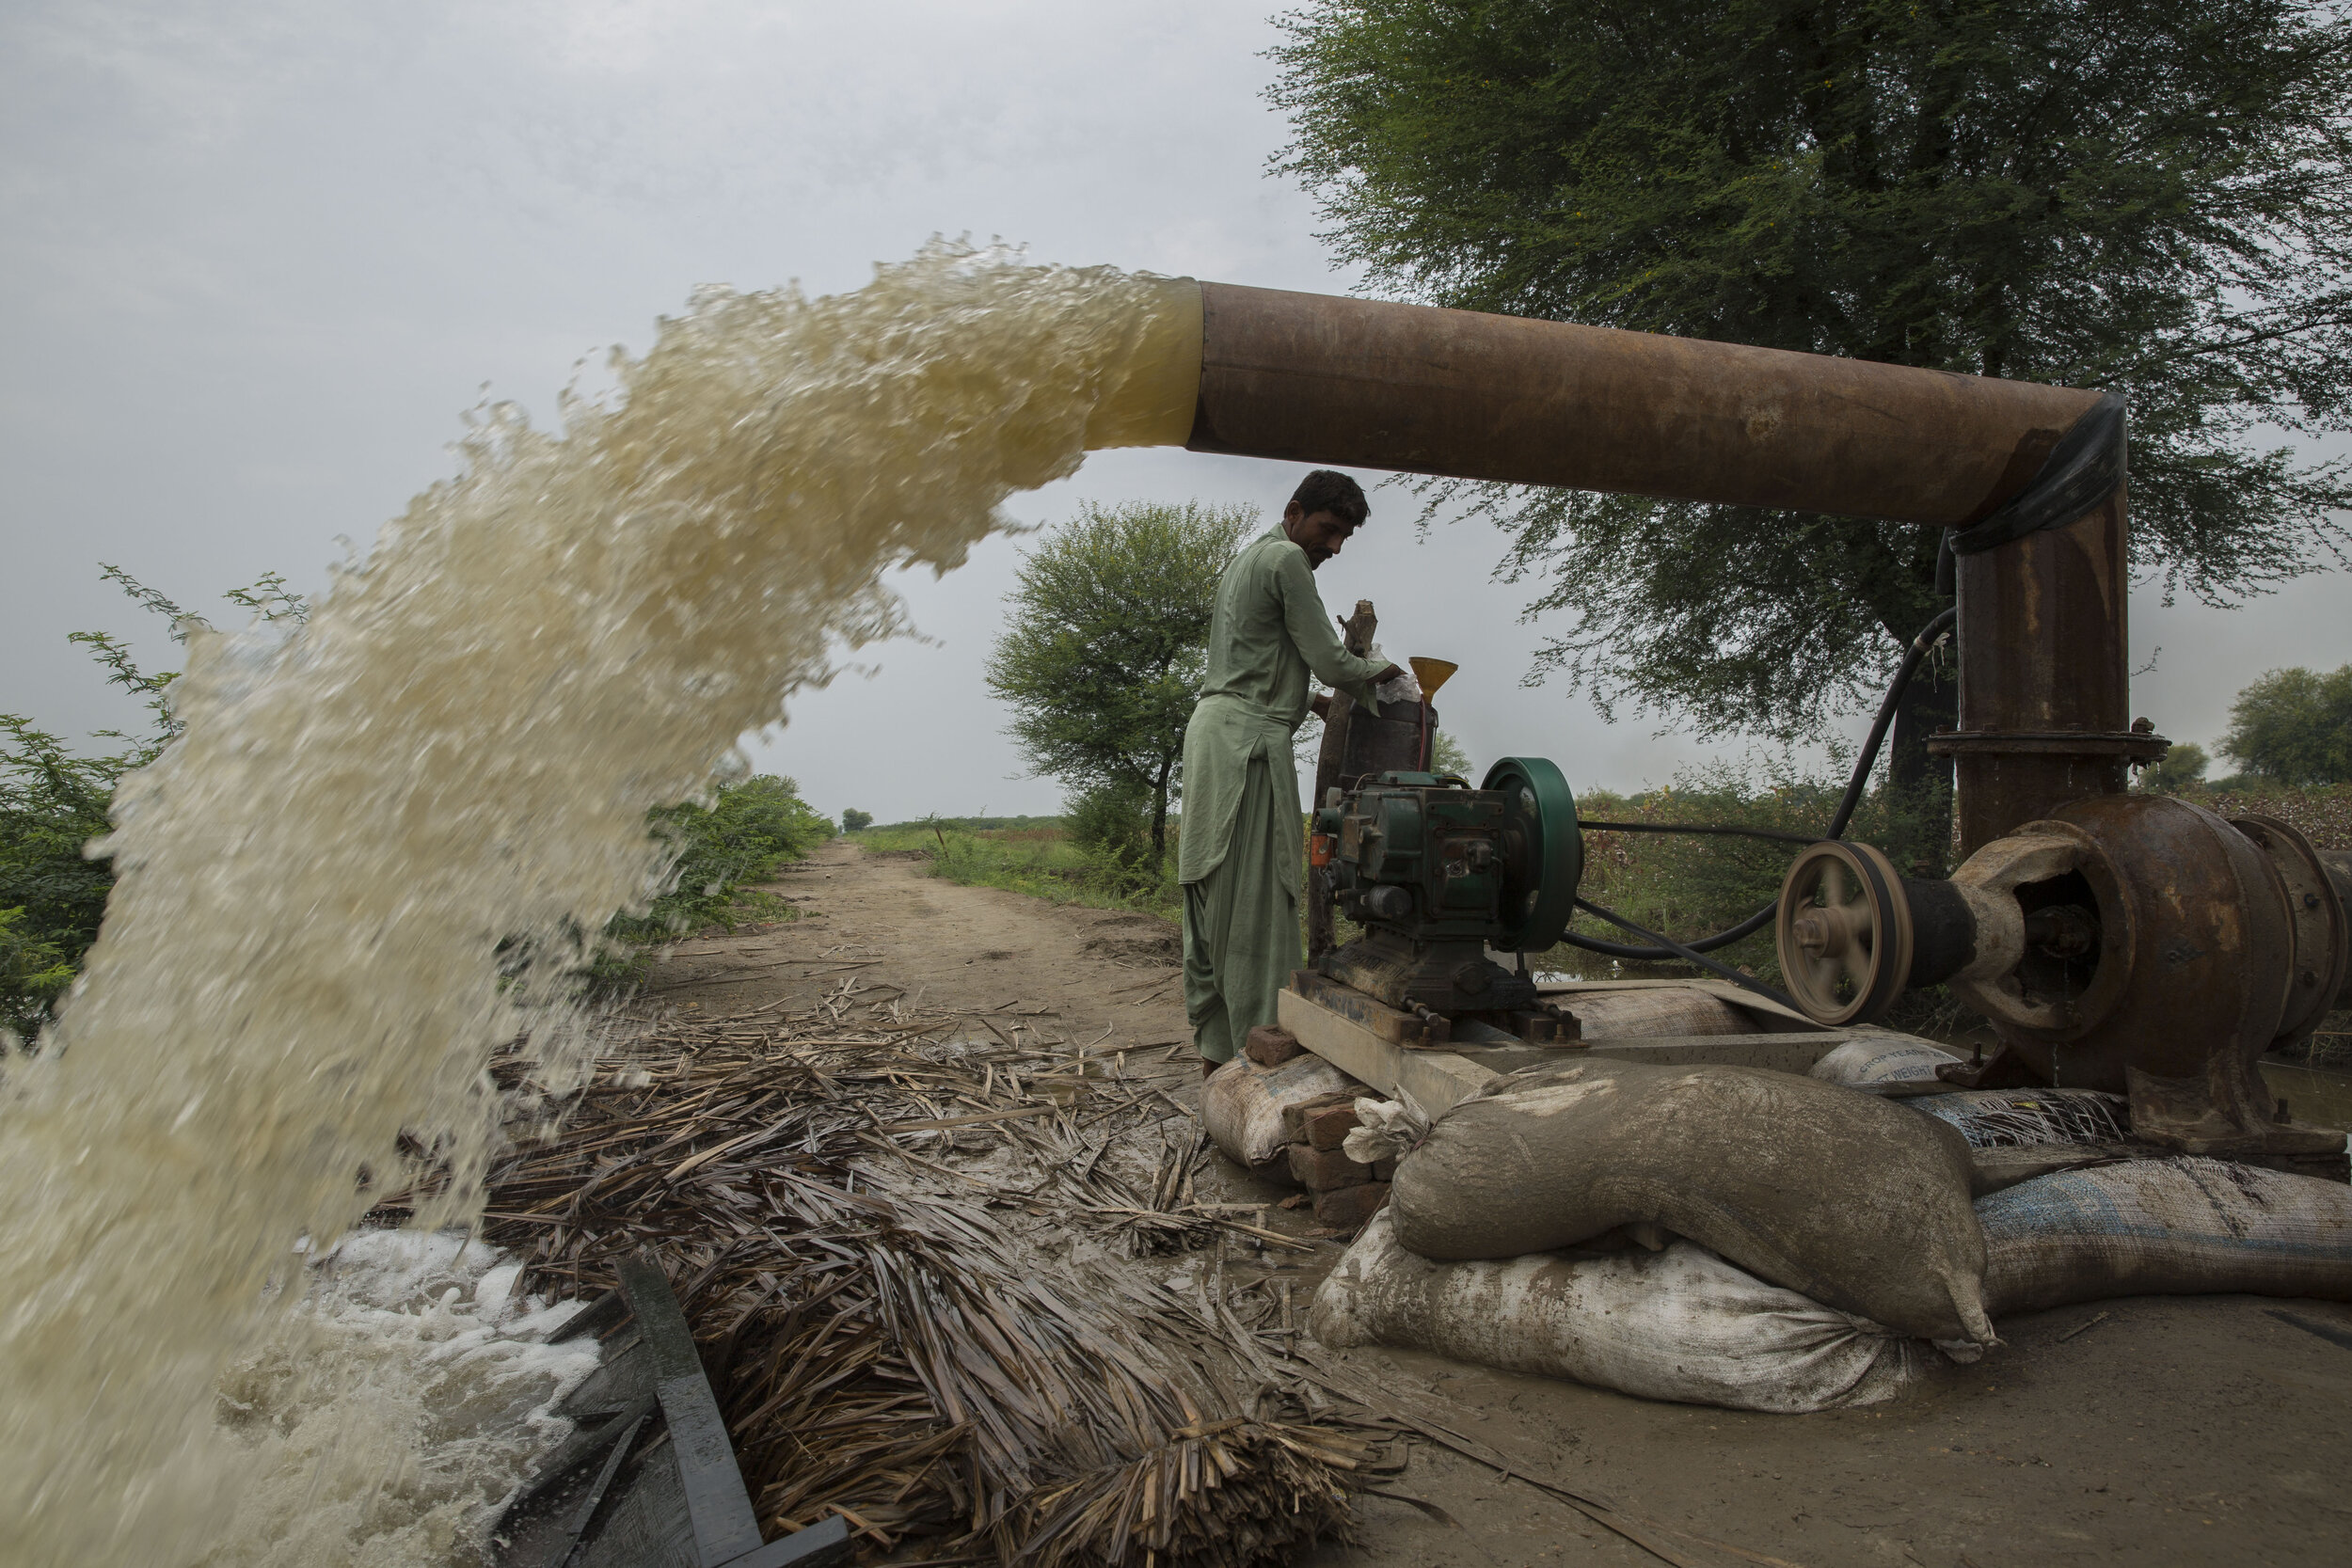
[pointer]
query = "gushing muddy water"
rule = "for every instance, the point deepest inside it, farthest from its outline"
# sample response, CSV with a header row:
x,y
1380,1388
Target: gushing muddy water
x,y
300,959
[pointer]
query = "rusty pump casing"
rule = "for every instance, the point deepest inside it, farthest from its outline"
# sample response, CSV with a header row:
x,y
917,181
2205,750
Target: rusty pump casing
x,y
2134,943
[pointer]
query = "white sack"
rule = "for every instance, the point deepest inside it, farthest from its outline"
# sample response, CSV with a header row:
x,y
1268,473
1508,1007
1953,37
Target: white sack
x,y
1406,688
1384,1130
1679,1324
1859,1064
1241,1104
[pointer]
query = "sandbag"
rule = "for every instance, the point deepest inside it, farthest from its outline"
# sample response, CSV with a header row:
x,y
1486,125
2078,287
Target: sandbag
x,y
1840,1196
2025,1119
2182,1226
1678,1324
1649,1012
1857,1064
1241,1103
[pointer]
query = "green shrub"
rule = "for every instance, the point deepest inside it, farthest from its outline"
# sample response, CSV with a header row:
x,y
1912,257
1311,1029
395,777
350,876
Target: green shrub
x,y
52,804
34,972
855,821
749,828
1112,825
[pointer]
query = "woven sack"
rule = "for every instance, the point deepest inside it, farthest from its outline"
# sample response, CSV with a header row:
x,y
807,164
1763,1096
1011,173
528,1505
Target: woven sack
x,y
2183,1226
2027,1118
1858,1064
1241,1103
1678,1324
1841,1197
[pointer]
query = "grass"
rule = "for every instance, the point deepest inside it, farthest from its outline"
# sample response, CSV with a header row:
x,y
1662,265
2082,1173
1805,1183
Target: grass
x,y
1028,855
749,828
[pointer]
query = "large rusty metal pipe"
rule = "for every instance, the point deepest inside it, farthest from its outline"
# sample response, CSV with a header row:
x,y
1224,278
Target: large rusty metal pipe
x,y
1309,378
2044,690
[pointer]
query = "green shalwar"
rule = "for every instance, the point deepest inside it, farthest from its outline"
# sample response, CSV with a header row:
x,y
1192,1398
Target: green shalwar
x,y
1238,858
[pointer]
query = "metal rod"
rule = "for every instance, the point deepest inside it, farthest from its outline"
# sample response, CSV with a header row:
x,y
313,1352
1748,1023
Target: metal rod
x,y
1588,825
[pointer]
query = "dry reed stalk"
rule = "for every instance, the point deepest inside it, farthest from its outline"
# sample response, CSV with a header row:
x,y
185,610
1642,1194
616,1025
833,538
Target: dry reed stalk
x,y
886,1340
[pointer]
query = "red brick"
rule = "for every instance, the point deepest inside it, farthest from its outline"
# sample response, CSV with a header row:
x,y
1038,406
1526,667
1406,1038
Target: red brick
x,y
1270,1045
1319,1170
1328,1126
1295,1114
1348,1207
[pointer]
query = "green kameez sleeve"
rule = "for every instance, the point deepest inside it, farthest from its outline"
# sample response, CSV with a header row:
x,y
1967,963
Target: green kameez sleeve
x,y
1316,639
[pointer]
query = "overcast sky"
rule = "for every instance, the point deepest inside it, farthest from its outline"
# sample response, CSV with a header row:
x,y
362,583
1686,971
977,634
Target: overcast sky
x,y
257,259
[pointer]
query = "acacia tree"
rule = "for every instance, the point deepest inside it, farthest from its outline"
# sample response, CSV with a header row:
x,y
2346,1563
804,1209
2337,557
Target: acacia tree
x,y
2179,771
2149,196
1103,648
2295,727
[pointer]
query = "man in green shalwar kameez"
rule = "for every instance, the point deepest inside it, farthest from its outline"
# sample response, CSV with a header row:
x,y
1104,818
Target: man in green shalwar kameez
x,y
1239,857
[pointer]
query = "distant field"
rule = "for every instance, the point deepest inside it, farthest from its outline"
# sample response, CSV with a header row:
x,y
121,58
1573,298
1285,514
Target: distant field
x,y
1024,854
2323,816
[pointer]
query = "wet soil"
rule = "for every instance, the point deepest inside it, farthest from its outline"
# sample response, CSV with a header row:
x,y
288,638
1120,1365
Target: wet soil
x,y
2185,1429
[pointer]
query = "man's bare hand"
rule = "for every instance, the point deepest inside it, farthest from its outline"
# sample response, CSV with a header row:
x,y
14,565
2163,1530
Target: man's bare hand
x,y
1385,677
1320,704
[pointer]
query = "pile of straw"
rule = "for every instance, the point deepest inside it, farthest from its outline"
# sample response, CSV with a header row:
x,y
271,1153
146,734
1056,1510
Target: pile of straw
x,y
898,1236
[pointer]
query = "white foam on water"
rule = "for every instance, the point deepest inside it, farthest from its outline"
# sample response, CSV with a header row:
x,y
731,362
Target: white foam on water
x,y
393,1409
300,978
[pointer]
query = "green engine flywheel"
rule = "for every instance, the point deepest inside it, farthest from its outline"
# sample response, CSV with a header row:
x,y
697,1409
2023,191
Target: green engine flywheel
x,y
1544,858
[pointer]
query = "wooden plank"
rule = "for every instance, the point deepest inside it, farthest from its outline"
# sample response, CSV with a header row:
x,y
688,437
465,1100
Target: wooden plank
x,y
1774,1051
1738,996
725,1525
1370,1012
1435,1080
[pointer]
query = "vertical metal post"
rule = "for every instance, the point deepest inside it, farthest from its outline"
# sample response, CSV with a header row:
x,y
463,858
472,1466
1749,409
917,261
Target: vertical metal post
x,y
2044,690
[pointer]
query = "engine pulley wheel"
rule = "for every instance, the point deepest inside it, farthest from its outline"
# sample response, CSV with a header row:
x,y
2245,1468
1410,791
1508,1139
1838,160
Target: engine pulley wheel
x,y
1845,933
1542,850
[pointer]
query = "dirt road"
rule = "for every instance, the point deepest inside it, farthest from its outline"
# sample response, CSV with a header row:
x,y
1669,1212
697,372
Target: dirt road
x,y
2199,1430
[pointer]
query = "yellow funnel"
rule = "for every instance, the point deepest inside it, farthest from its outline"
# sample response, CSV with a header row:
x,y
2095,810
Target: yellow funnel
x,y
1432,674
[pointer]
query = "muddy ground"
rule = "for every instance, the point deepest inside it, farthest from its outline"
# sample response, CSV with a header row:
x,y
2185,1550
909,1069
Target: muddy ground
x,y
2195,1429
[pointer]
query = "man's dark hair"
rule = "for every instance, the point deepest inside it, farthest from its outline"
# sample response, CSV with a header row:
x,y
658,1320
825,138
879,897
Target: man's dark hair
x,y
1329,490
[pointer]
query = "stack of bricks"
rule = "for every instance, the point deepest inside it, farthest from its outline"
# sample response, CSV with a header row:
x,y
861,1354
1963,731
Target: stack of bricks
x,y
1346,1192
